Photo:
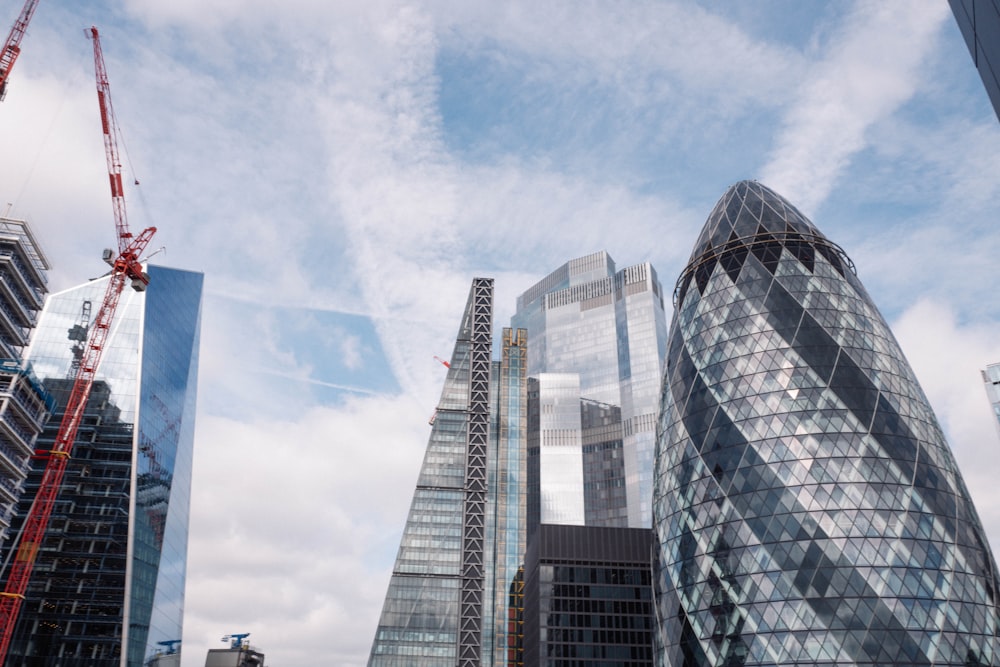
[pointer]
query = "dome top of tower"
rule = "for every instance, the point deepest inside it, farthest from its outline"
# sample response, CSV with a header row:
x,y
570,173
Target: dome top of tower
x,y
752,219
746,209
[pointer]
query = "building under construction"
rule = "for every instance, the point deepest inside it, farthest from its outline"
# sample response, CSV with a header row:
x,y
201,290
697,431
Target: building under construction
x,y
24,405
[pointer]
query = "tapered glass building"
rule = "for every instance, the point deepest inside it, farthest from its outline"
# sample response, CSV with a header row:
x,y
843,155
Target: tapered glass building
x,y
450,596
108,584
807,508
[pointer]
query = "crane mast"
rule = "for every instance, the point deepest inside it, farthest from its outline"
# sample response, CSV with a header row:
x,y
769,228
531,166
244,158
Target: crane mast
x,y
12,47
126,266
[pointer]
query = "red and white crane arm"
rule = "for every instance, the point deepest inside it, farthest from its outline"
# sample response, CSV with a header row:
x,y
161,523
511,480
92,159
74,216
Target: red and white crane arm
x,y
12,47
125,267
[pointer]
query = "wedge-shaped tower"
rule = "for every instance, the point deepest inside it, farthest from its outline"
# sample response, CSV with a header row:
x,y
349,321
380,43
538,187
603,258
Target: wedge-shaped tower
x,y
433,611
807,508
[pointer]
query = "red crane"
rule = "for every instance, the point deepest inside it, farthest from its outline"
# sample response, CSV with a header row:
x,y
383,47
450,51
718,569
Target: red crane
x,y
12,47
126,266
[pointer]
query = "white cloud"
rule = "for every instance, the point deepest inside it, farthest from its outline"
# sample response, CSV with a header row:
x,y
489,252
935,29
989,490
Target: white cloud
x,y
947,357
294,525
871,67
296,152
652,51
352,351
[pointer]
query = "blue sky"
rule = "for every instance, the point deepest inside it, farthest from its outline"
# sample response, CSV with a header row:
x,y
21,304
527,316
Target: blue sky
x,y
340,171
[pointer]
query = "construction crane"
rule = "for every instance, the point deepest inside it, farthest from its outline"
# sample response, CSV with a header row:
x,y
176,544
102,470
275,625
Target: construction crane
x,y
125,266
12,47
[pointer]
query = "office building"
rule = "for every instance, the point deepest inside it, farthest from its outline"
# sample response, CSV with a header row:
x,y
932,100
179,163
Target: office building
x,y
991,380
239,654
807,507
233,657
108,584
464,536
24,404
979,21
597,342
588,601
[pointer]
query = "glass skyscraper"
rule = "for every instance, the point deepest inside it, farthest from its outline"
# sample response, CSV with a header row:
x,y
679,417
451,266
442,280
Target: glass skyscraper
x,y
507,498
807,508
597,342
463,542
979,21
108,583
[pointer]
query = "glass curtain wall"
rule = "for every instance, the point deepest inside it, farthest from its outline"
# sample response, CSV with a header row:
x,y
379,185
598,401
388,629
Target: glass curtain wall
x,y
419,624
108,584
808,509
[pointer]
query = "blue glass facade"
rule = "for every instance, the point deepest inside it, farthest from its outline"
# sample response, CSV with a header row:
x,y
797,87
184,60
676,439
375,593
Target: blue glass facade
x,y
979,21
109,580
507,493
807,508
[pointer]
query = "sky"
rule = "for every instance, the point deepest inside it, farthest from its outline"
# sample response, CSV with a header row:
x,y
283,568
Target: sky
x,y
340,171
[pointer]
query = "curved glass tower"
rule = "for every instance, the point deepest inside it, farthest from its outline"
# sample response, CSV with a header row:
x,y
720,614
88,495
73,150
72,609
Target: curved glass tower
x,y
807,508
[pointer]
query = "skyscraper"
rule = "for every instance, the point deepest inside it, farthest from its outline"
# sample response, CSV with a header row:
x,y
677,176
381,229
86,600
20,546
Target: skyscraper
x,y
24,405
597,341
464,537
979,21
506,499
807,508
108,583
991,379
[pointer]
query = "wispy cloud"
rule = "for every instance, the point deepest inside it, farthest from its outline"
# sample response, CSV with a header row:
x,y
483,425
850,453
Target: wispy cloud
x,y
341,170
297,377
869,69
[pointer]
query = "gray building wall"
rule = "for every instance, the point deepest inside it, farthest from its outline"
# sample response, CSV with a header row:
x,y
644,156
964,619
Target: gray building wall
x,y
979,21
588,601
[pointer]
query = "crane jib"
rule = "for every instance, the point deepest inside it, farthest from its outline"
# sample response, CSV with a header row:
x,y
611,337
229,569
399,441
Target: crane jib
x,y
105,124
127,267
116,185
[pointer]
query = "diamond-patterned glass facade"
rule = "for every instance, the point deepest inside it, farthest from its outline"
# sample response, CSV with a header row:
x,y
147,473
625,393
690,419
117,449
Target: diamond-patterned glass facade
x,y
807,508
